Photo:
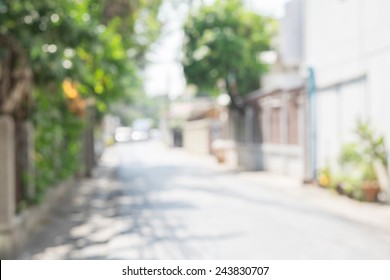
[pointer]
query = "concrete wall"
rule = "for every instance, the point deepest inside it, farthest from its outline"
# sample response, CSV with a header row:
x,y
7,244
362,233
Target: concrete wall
x,y
196,137
283,159
7,181
249,156
280,149
336,118
351,57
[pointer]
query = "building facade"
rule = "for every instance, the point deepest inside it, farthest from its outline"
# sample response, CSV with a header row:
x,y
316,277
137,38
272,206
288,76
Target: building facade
x,y
346,44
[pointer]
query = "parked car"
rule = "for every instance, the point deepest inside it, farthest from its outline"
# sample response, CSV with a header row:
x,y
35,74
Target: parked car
x,y
123,134
141,129
139,135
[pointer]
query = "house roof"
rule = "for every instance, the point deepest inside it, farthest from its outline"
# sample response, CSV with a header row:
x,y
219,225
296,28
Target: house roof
x,y
261,93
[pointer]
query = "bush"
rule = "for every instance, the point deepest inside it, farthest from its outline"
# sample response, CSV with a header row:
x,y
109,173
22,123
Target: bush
x,y
57,141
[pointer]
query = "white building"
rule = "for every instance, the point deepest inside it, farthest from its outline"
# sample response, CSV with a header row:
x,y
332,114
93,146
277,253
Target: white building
x,y
348,45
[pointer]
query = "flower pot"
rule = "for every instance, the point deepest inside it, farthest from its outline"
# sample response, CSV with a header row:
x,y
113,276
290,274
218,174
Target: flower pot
x,y
221,156
370,190
340,189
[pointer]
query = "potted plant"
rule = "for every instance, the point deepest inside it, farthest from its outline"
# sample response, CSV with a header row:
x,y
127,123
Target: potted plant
x,y
375,155
370,186
360,159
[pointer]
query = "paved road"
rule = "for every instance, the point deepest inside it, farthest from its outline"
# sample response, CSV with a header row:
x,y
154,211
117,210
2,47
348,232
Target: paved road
x,y
149,202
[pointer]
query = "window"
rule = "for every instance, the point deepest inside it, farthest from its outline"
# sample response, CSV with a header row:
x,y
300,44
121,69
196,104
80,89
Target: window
x,y
275,125
292,121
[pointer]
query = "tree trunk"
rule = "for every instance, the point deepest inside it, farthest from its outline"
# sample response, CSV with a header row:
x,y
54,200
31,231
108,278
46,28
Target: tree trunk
x,y
15,102
24,147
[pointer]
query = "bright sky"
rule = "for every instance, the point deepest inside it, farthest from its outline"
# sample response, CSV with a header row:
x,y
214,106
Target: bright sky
x,y
164,75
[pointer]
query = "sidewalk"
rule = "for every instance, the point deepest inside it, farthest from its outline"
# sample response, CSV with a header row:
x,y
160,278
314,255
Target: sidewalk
x,y
77,227
374,214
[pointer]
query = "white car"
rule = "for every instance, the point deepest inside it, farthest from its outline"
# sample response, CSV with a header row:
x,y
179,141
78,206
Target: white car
x,y
123,134
140,135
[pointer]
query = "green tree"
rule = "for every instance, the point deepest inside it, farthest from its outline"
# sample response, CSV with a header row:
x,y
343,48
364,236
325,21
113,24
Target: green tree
x,y
92,48
95,42
223,43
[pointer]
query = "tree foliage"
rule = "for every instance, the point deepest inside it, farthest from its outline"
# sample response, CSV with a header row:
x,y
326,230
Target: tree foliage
x,y
223,43
79,40
58,57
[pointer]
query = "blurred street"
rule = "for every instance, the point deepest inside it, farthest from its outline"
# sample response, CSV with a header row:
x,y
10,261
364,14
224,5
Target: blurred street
x,y
184,129
150,202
